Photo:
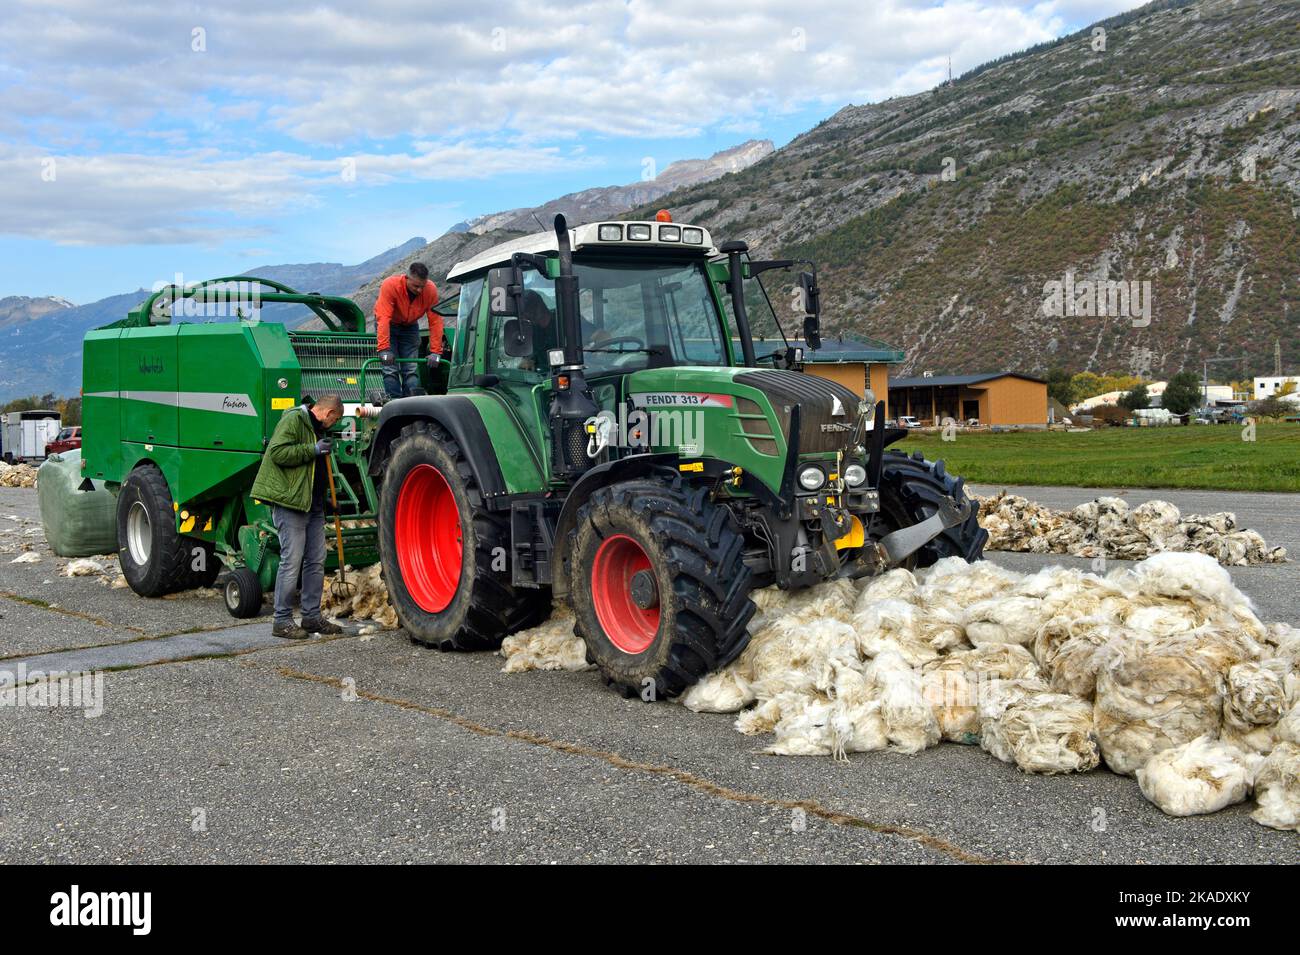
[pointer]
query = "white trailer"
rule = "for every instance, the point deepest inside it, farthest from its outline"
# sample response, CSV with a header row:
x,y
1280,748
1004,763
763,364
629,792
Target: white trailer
x,y
23,434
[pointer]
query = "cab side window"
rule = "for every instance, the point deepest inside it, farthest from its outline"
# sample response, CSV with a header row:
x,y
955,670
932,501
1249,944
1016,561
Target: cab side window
x,y
538,308
471,294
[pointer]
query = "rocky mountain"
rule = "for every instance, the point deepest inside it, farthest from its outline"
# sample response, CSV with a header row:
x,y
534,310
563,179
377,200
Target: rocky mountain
x,y
41,353
970,224
16,310
604,202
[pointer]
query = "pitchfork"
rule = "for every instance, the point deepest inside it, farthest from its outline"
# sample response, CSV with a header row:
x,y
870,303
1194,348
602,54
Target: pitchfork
x,y
340,588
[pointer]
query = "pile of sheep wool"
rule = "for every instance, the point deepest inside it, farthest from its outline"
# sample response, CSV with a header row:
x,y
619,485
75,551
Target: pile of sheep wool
x,y
1162,670
1107,527
369,600
17,475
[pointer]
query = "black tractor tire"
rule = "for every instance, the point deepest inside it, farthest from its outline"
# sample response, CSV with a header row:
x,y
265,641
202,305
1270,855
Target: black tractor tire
x,y
910,491
430,508
665,545
243,593
155,558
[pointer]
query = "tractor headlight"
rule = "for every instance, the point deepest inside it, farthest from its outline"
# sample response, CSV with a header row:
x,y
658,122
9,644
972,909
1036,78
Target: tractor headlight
x,y
855,475
610,233
811,478
638,233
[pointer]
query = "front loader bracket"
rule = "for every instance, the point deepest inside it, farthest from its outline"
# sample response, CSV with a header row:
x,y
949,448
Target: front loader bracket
x,y
896,546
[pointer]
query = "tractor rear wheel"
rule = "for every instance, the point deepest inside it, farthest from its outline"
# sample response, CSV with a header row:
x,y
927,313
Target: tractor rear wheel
x,y
445,556
658,585
911,489
155,559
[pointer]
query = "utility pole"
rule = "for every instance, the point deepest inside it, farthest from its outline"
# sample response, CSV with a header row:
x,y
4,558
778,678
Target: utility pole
x,y
1205,376
1277,357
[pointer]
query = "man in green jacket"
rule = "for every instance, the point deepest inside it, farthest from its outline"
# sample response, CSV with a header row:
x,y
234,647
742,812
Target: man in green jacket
x,y
292,478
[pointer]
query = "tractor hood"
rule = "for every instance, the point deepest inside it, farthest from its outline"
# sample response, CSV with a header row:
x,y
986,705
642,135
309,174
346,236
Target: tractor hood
x,y
754,406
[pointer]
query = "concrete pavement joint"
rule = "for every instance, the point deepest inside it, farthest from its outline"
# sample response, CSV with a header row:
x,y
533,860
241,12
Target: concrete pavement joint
x,y
97,621
699,783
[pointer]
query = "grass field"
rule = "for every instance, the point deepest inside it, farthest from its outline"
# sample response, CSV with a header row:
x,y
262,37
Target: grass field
x,y
1212,457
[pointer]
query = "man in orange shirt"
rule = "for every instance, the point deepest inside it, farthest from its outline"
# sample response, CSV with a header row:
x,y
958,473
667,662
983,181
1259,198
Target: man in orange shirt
x,y
403,300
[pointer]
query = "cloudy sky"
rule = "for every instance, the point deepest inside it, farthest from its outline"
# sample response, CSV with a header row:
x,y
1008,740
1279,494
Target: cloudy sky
x,y
139,139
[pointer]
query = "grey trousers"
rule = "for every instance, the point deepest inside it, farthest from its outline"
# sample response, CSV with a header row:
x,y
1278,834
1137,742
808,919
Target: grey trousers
x,y
302,551
404,379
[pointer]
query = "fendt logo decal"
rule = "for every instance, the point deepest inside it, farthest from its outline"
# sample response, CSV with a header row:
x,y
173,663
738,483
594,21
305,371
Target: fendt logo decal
x,y
681,399
151,365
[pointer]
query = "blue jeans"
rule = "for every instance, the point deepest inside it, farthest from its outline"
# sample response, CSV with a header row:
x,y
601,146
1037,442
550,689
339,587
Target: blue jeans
x,y
405,342
302,551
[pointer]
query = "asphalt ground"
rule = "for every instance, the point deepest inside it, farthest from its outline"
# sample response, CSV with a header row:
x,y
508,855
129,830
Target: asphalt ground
x,y
219,744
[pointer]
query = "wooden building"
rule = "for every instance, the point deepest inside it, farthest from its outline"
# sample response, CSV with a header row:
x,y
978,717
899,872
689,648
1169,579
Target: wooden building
x,y
997,399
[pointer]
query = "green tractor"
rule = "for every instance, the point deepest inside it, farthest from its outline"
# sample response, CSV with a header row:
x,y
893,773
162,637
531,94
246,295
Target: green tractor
x,y
605,440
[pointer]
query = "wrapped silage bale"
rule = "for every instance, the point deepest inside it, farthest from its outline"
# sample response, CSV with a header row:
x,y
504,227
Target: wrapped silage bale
x,y
77,523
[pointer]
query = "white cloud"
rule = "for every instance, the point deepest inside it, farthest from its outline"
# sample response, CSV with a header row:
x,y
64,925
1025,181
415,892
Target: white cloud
x,y
540,69
483,89
201,195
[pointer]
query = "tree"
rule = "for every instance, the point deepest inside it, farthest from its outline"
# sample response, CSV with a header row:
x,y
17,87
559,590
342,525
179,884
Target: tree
x,y
1182,394
1136,399
1273,407
1061,387
1086,384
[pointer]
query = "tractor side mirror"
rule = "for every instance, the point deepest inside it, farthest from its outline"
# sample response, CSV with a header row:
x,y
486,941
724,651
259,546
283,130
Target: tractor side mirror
x,y
505,289
517,338
812,306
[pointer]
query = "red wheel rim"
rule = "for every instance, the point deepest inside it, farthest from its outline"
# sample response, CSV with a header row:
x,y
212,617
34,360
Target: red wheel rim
x,y
427,538
629,627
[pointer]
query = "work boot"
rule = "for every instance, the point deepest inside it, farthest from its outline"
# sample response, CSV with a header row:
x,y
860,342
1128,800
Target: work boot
x,y
320,625
289,631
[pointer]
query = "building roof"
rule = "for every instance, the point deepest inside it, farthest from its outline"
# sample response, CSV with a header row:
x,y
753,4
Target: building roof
x,y
947,381
836,350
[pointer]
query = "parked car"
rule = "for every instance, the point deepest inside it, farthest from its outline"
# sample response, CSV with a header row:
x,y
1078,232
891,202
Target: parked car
x,y
67,439
907,421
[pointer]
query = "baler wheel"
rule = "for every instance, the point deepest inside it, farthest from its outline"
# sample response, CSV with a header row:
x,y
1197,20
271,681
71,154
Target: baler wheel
x,y
660,590
444,554
243,593
910,491
155,559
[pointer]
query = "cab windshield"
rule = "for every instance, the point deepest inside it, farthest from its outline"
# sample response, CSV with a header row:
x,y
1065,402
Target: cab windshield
x,y
634,316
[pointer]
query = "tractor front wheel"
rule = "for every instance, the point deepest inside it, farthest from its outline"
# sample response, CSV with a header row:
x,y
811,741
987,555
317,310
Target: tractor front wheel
x,y
911,490
659,587
445,556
